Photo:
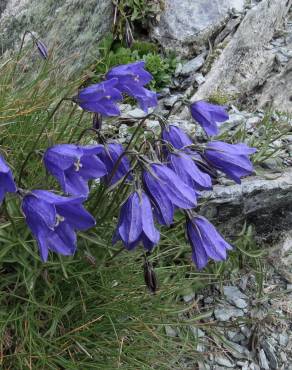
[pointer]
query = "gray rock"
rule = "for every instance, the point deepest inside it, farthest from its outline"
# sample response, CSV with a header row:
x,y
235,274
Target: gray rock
x,y
197,332
135,113
185,24
234,296
263,360
238,351
199,78
272,163
170,331
270,353
226,313
189,297
224,361
261,199
72,28
193,65
245,63
277,92
168,102
254,366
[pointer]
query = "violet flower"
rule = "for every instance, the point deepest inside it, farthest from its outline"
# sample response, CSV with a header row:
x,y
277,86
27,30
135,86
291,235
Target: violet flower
x,y
207,115
54,220
167,191
7,184
110,155
176,137
43,50
131,80
232,159
73,166
206,242
100,98
136,224
187,170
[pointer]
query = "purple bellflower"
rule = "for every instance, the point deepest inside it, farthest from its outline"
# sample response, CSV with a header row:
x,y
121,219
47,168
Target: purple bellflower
x,y
131,80
232,159
187,170
176,137
206,242
54,220
110,155
7,184
100,98
43,50
207,115
136,224
167,191
74,165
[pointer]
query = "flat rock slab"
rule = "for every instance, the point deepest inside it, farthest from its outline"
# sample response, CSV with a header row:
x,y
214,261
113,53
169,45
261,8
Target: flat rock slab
x,y
186,23
72,28
266,201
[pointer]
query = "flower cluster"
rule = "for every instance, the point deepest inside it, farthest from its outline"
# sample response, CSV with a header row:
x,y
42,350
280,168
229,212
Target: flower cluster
x,y
163,180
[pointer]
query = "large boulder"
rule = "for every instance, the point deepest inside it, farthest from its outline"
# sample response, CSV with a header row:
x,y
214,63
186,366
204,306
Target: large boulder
x,y
187,24
72,28
247,60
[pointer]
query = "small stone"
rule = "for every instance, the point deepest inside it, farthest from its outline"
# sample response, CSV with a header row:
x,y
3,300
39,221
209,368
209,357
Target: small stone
x,y
234,296
209,300
270,352
164,92
197,332
224,361
201,348
178,69
225,314
238,351
199,78
254,366
203,366
169,102
283,357
136,113
252,122
193,65
263,360
170,331
189,297
245,331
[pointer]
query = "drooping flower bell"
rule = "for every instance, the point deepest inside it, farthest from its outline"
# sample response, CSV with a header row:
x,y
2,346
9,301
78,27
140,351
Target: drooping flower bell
x,y
167,191
100,98
207,115
187,170
176,137
73,166
7,184
54,220
131,80
42,48
136,224
232,159
206,241
111,154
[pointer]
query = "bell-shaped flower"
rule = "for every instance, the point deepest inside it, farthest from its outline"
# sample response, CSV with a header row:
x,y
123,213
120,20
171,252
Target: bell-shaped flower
x,y
100,98
176,137
43,50
167,191
187,170
232,159
7,184
131,80
207,115
116,162
136,224
73,166
206,241
54,220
